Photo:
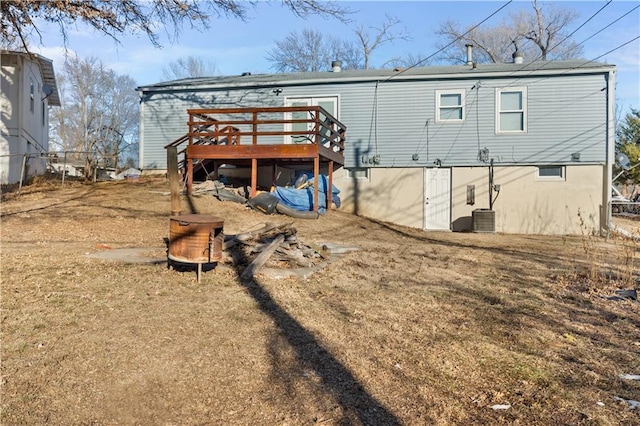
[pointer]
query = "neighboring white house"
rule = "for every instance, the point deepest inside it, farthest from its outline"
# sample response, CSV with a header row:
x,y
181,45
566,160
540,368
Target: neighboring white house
x,y
28,89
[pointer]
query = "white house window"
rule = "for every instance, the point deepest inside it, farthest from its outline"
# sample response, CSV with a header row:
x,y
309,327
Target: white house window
x,y
450,105
359,173
511,110
550,173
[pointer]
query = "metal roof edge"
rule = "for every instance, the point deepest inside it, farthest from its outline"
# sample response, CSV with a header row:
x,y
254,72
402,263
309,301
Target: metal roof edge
x,y
388,76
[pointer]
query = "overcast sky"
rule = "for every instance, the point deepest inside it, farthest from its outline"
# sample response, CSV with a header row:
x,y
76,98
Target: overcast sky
x,y
236,47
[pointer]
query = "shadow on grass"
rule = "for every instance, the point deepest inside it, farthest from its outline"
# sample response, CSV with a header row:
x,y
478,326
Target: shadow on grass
x,y
90,197
335,378
48,206
550,260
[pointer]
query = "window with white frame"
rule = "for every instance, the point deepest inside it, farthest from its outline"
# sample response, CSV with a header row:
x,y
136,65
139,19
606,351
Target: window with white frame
x,y
358,173
450,105
550,173
511,110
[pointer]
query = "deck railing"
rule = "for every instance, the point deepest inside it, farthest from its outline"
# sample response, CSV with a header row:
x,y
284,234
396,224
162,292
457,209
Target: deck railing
x,y
267,125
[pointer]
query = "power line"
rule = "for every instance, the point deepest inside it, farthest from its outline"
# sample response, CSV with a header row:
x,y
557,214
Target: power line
x,y
478,98
452,42
572,33
607,26
577,29
614,49
425,59
543,64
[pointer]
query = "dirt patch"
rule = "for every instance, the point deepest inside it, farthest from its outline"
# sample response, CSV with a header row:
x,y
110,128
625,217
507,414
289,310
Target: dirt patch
x,y
413,328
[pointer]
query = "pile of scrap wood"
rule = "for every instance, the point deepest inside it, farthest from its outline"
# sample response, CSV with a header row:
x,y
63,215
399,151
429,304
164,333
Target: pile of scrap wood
x,y
276,246
220,191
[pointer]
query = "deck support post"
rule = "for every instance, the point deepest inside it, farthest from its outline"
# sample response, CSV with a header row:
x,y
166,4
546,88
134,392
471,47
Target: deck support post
x,y
254,177
254,161
187,160
174,180
330,186
274,177
316,189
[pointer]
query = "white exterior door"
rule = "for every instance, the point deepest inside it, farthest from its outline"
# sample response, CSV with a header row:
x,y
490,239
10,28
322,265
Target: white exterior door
x,y
437,199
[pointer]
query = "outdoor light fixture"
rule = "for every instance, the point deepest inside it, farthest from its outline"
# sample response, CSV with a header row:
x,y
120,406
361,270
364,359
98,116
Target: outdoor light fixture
x,y
277,91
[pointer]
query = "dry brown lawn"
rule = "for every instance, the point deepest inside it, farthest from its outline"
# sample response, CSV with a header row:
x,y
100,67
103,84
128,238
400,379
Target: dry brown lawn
x,y
414,328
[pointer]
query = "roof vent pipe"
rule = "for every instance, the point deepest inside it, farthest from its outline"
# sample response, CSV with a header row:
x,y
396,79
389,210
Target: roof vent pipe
x,y
336,66
469,47
517,56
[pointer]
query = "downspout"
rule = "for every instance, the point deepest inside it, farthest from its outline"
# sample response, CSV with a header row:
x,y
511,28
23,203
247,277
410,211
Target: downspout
x,y
375,128
610,143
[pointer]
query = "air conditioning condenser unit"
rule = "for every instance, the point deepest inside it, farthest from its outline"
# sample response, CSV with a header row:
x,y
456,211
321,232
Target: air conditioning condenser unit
x,y
483,220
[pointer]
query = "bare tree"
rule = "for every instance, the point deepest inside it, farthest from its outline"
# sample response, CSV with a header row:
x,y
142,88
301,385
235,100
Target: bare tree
x,y
312,50
385,33
538,34
19,18
190,66
408,60
349,53
491,44
547,30
98,116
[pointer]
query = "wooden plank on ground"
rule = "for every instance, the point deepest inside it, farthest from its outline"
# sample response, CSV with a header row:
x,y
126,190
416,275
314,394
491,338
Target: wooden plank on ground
x,y
262,258
320,250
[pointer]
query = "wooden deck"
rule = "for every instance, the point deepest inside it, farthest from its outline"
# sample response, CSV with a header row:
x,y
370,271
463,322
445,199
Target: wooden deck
x,y
249,137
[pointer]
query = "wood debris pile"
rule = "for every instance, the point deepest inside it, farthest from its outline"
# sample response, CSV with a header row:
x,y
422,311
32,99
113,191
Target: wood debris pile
x,y
276,246
220,191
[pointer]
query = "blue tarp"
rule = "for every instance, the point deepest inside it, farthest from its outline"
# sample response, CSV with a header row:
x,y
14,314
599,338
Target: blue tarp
x,y
302,199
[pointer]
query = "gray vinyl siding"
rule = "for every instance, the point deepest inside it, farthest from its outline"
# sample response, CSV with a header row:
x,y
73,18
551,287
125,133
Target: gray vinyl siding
x,y
395,120
165,119
565,115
